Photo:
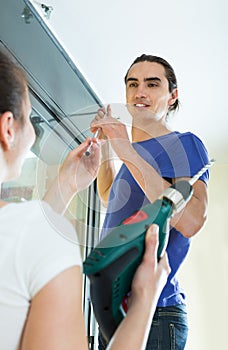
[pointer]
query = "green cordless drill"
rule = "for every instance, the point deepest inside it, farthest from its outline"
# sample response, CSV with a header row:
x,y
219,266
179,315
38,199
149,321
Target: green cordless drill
x,y
112,263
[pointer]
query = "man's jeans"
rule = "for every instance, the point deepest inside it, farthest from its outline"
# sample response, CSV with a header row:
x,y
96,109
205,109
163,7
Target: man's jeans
x,y
169,329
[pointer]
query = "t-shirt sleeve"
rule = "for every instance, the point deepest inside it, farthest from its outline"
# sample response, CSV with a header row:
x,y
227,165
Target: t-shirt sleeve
x,y
184,156
48,246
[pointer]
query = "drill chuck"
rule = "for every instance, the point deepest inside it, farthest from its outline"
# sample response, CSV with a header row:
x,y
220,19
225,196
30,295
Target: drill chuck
x,y
178,195
181,191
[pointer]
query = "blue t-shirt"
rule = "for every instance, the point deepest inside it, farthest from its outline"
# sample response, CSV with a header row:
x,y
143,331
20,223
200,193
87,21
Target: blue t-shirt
x,y
173,155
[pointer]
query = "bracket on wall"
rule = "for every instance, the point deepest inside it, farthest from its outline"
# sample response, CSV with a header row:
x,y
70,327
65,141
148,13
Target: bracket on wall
x,y
47,10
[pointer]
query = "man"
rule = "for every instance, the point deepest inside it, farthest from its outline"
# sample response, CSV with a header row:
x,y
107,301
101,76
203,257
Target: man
x,y
154,159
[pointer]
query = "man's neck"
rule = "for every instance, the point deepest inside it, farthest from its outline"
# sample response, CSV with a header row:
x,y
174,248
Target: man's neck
x,y
149,131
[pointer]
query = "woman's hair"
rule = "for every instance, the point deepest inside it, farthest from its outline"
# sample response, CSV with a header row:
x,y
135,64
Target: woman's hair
x,y
13,85
169,73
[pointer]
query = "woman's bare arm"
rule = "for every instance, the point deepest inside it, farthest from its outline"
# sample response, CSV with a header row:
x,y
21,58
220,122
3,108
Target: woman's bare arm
x,y
55,320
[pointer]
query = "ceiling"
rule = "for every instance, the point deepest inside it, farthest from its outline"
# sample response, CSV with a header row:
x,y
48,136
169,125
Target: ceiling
x,y
104,37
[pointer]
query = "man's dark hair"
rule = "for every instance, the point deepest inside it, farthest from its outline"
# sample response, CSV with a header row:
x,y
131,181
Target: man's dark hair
x,y
169,73
13,84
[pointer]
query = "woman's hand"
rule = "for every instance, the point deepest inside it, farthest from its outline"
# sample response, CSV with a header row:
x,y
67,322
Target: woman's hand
x,y
151,275
77,172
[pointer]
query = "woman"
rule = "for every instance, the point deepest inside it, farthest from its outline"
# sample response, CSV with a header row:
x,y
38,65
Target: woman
x,y
40,270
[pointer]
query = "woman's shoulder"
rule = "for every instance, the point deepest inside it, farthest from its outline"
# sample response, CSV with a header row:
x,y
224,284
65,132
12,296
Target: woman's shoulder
x,y
39,217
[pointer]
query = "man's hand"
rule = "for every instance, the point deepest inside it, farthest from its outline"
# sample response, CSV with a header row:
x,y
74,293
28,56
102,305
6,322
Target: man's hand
x,y
112,129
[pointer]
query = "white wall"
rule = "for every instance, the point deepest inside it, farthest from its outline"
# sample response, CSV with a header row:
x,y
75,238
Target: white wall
x,y
205,273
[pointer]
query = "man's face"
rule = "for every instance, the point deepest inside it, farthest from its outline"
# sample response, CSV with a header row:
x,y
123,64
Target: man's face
x,y
147,91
